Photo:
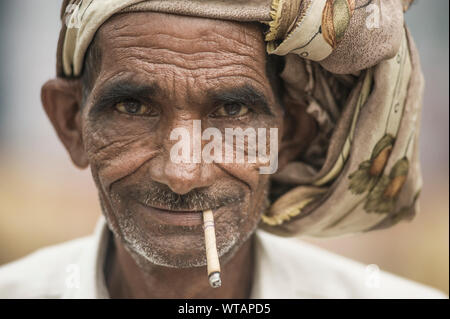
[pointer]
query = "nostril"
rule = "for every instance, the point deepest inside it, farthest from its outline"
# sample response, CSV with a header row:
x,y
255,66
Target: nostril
x,y
183,178
180,187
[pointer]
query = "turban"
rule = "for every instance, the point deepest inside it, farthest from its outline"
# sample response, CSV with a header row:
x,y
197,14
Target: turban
x,y
354,67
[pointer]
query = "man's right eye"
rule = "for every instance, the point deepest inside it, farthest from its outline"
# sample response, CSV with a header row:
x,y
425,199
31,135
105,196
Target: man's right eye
x,y
135,108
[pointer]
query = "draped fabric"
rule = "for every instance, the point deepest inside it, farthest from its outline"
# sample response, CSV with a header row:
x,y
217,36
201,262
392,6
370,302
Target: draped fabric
x,y
354,66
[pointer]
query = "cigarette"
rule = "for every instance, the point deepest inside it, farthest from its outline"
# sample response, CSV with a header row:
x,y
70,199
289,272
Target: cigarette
x,y
212,258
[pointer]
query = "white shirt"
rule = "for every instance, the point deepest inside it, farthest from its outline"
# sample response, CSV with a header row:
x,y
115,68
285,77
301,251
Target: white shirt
x,y
284,268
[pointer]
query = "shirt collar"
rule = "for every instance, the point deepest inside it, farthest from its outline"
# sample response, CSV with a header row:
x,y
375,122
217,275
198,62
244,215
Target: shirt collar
x,y
91,263
268,276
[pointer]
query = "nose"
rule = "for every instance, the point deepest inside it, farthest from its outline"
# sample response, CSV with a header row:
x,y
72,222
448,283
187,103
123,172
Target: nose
x,y
182,177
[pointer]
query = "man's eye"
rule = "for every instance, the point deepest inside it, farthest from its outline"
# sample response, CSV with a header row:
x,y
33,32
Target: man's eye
x,y
135,108
231,110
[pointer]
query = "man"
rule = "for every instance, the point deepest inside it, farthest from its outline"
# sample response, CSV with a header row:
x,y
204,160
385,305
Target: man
x,y
342,93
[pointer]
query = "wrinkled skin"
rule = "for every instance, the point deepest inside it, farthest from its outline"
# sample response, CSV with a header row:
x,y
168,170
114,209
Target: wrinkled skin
x,y
180,65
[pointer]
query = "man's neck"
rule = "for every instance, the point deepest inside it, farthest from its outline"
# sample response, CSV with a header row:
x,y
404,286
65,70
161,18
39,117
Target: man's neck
x,y
125,279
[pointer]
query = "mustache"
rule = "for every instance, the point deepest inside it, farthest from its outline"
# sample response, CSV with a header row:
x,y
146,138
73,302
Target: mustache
x,y
160,195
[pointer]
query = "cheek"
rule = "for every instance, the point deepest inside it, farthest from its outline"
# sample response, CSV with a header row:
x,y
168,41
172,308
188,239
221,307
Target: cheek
x,y
118,148
258,149
257,186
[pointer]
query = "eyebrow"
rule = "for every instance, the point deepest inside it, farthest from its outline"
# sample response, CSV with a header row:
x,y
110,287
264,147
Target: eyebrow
x,y
246,95
122,90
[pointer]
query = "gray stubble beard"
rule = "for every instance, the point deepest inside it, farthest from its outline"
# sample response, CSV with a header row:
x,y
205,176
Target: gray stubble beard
x,y
145,256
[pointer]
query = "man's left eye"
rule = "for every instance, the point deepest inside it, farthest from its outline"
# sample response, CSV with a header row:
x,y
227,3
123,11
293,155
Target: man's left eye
x,y
135,108
231,110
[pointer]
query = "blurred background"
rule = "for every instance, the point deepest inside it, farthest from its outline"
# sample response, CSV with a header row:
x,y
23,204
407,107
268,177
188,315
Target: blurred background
x,y
44,199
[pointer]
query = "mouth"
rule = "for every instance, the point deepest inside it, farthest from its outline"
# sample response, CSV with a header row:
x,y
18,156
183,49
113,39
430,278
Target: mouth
x,y
175,217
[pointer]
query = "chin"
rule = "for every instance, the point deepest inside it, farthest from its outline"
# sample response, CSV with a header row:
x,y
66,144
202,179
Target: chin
x,y
150,243
175,254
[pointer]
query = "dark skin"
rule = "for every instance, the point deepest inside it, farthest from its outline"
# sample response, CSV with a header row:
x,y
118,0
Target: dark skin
x,y
159,72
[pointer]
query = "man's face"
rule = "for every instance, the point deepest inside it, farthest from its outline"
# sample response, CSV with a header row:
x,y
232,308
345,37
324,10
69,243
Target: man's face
x,y
160,72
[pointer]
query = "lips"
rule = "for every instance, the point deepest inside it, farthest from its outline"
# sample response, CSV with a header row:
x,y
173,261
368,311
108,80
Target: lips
x,y
174,217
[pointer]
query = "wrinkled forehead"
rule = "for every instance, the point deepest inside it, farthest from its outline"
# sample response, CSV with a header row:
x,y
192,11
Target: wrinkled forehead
x,y
162,46
183,33
81,20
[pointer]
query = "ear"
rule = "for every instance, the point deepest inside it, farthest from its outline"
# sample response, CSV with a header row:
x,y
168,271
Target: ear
x,y
61,99
299,129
